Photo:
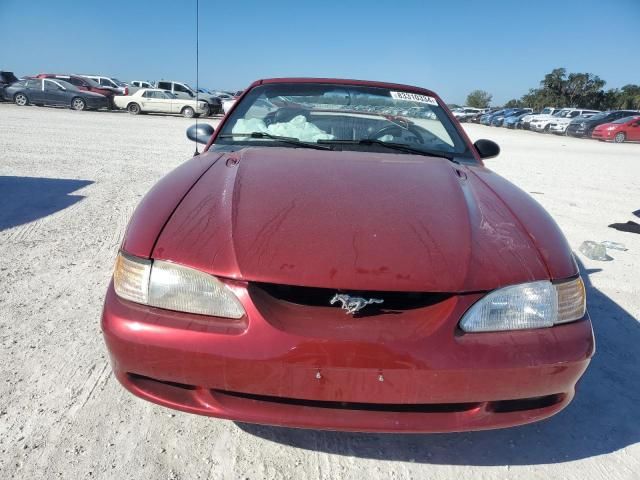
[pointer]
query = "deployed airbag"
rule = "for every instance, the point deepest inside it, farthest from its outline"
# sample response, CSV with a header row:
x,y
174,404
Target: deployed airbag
x,y
298,127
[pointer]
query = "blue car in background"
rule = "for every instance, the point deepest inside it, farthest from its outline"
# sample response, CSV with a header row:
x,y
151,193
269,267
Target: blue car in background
x,y
513,121
486,119
498,120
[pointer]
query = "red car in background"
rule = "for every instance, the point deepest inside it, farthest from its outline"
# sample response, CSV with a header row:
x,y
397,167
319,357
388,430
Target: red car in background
x,y
623,130
82,83
339,257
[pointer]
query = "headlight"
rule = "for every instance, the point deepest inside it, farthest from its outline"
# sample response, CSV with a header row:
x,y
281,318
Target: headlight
x,y
611,128
173,287
528,305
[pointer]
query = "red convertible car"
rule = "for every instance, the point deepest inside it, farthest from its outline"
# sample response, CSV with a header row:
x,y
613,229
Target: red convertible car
x,y
622,130
340,258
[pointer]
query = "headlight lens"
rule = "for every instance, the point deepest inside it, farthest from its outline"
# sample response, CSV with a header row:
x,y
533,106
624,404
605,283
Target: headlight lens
x,y
529,305
611,128
173,287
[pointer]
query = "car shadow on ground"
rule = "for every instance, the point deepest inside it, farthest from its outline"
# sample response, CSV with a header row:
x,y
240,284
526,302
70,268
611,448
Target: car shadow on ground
x,y
26,199
601,419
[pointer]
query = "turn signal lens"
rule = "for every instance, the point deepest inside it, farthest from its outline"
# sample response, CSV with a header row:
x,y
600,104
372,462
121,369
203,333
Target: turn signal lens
x,y
572,300
131,278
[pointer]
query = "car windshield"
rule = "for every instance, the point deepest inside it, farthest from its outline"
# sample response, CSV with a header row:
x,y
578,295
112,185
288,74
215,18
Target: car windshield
x,y
91,82
626,119
600,116
343,117
65,84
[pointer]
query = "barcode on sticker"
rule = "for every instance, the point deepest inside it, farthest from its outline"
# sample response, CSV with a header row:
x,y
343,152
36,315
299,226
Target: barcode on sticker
x,y
414,97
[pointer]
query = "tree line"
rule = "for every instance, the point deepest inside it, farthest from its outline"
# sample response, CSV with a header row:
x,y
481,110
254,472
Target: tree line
x,y
561,89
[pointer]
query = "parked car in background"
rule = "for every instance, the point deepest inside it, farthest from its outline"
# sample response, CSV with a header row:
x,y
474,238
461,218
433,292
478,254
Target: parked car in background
x,y
584,128
50,91
82,83
558,126
498,120
222,95
119,88
141,84
546,112
183,90
488,118
622,130
463,113
152,100
513,121
229,102
477,118
6,79
543,123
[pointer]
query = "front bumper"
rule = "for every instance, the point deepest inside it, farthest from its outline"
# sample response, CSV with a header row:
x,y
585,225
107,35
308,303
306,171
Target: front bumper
x,y
538,127
574,131
558,129
410,373
603,134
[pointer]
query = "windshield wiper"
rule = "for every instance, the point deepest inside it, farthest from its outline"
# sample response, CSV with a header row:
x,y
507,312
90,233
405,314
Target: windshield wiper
x,y
394,146
289,140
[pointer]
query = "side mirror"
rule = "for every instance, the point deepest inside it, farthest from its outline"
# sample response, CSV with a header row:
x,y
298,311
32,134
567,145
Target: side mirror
x,y
487,148
200,133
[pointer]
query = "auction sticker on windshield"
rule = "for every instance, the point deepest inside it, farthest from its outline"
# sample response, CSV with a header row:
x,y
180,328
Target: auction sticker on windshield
x,y
414,97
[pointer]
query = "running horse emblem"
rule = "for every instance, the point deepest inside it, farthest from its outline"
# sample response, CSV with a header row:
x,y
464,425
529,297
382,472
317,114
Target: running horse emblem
x,y
353,304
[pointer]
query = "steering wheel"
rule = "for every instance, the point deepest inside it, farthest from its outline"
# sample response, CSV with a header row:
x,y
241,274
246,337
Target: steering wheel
x,y
395,130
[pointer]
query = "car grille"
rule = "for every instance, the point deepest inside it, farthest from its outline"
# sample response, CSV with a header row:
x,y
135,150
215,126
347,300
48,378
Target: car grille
x,y
320,297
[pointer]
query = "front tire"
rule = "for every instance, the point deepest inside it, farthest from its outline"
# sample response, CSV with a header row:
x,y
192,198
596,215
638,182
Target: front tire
x,y
620,137
78,104
133,108
188,112
21,99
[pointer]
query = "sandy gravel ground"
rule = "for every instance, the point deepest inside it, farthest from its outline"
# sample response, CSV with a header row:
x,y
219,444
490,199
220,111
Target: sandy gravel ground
x,y
68,183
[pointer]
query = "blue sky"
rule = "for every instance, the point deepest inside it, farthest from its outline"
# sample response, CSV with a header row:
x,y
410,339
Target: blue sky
x,y
450,46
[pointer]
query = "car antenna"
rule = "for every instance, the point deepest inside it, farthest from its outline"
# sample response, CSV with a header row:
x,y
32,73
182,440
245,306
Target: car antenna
x,y
197,69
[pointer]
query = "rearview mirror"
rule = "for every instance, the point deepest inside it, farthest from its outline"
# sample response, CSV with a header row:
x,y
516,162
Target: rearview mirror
x,y
487,148
200,133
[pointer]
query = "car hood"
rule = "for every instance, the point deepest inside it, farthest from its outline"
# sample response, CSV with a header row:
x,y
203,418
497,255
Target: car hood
x,y
604,126
354,221
541,116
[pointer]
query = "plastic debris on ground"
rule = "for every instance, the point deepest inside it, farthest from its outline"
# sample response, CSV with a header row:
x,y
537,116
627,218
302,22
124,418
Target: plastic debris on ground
x,y
594,251
614,245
